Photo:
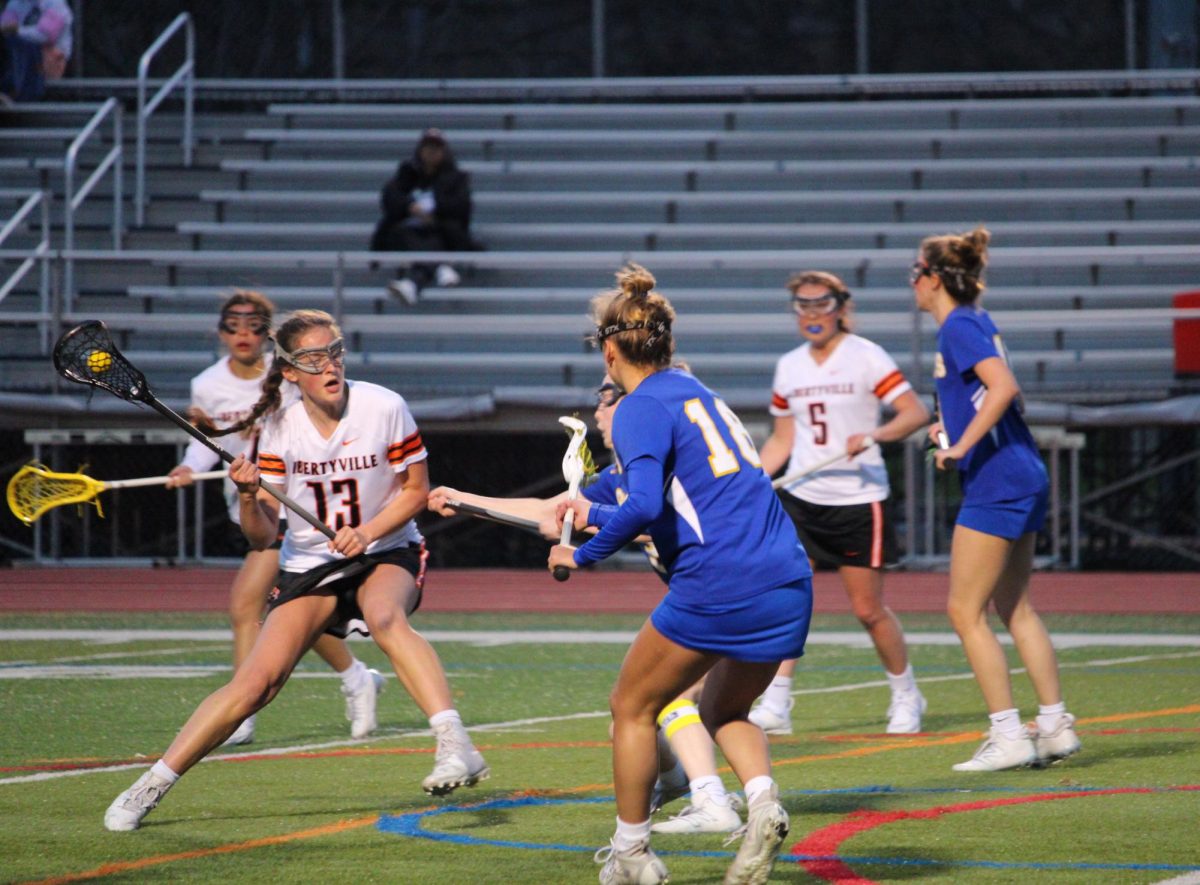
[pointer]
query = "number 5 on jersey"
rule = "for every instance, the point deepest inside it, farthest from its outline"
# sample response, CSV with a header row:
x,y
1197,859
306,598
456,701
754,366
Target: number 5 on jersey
x,y
721,458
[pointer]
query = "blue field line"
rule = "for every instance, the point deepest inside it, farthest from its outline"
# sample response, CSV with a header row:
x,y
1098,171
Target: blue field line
x,y
412,825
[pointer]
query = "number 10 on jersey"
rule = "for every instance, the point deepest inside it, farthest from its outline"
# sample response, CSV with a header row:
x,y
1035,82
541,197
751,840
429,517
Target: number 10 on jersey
x,y
721,458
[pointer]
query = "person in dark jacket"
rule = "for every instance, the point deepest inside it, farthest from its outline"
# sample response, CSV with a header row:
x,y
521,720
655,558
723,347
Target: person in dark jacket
x,y
426,207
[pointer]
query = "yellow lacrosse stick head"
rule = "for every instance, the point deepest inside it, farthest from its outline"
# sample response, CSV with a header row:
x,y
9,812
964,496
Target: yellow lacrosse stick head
x,y
34,489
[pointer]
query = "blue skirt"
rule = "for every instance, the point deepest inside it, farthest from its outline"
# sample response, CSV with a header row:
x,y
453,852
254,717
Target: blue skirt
x,y
771,626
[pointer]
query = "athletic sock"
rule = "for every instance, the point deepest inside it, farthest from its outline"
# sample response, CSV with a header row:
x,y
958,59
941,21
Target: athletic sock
x,y
778,696
902,683
1008,723
756,786
164,771
631,835
354,677
708,789
1048,716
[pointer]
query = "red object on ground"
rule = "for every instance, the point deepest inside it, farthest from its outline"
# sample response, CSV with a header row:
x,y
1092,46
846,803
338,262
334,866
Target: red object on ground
x,y
1187,336
482,590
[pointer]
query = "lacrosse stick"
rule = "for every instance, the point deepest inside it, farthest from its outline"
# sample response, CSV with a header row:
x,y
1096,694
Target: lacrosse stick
x,y
34,489
820,465
574,471
87,355
943,441
494,515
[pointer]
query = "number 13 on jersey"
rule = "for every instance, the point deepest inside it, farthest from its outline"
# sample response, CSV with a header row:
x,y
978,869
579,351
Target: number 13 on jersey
x,y
721,458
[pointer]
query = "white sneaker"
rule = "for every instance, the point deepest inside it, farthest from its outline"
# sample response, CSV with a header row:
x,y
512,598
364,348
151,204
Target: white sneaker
x,y
127,810
243,734
770,721
705,817
762,837
447,277
458,763
1057,744
1000,753
904,714
637,866
360,705
406,290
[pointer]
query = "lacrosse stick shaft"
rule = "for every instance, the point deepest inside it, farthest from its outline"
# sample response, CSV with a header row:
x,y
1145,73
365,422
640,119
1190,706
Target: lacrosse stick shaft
x,y
499,516
820,465
561,572
279,496
160,480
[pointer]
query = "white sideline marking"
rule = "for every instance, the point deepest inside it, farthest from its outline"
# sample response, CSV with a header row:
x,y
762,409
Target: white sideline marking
x,y
485,638
521,724
1185,879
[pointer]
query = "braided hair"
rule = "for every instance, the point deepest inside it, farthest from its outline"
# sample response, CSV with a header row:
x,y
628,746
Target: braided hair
x,y
286,336
959,261
636,318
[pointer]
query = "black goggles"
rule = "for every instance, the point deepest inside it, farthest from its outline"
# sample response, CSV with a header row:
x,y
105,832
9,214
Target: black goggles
x,y
608,394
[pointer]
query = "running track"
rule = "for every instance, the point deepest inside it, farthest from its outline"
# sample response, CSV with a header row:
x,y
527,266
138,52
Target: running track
x,y
450,590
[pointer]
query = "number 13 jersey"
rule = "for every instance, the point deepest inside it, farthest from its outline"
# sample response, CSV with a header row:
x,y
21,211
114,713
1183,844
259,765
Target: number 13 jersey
x,y
829,402
346,479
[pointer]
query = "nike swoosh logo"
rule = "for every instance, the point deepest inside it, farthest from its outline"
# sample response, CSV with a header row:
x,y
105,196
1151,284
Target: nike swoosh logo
x,y
347,442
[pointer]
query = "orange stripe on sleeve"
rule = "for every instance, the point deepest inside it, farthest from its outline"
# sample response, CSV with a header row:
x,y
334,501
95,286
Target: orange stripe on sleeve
x,y
891,382
778,402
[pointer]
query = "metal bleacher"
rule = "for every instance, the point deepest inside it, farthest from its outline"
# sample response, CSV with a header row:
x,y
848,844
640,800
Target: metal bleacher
x,y
1092,201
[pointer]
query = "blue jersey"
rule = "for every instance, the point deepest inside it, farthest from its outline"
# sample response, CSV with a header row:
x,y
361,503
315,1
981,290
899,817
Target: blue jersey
x,y
609,488
1005,464
696,486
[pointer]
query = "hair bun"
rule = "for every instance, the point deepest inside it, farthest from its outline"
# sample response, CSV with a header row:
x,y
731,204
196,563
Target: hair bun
x,y
635,281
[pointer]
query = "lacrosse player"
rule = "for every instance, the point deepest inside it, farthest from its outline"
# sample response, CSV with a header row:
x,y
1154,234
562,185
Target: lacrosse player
x,y
826,398
1005,492
351,453
740,589
225,393
686,760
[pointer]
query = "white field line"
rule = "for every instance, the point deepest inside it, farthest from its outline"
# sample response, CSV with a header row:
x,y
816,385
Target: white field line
x,y
486,638
1185,879
521,724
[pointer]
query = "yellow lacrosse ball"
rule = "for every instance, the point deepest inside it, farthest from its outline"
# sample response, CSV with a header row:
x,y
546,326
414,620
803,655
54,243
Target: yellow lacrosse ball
x,y
99,362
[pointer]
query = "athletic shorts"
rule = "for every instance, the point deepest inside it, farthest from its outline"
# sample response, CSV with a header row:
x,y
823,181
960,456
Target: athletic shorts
x,y
846,534
771,626
1006,519
342,578
239,544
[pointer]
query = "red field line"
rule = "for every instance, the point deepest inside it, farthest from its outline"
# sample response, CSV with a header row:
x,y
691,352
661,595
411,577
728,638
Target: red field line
x,y
482,590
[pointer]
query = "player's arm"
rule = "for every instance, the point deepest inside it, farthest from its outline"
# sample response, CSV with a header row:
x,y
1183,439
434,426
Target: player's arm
x,y
535,509
911,415
258,510
776,451
1002,389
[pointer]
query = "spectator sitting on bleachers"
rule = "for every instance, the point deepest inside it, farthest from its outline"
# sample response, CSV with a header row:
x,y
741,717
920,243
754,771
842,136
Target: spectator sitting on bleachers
x,y
37,37
426,207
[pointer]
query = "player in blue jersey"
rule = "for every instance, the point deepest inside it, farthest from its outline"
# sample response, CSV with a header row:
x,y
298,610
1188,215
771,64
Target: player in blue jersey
x,y
1005,490
686,761
740,586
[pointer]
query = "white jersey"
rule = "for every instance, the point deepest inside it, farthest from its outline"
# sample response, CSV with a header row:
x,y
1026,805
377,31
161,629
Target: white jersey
x,y
830,402
346,479
226,399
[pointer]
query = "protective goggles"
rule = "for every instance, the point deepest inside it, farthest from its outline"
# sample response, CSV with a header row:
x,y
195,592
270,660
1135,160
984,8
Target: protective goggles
x,y
608,394
919,269
314,360
254,323
822,306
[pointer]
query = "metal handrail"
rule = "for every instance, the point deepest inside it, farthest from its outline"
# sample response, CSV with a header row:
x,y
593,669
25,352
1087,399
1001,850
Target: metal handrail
x,y
72,200
39,254
187,73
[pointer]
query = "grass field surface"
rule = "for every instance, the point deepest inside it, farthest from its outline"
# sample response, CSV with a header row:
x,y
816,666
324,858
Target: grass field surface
x,y
90,700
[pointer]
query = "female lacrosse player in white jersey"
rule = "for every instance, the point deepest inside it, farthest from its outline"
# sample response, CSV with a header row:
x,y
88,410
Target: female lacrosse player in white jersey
x,y
351,453
222,395
826,398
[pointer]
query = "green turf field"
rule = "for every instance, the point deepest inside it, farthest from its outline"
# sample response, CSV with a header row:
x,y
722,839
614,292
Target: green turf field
x,y
321,808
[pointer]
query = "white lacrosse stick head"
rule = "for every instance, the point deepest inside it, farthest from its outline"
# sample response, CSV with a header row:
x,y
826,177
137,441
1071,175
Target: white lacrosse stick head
x,y
572,463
